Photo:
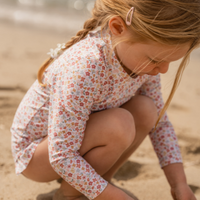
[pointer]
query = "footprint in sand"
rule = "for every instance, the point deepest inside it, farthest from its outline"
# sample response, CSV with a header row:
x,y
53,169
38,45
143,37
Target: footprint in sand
x,y
177,107
197,150
195,189
21,89
128,171
193,149
46,196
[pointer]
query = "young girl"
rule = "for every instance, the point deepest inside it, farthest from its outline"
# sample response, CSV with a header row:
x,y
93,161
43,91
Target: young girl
x,y
98,96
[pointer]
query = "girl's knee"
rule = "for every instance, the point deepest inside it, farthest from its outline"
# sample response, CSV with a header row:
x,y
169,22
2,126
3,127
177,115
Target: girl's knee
x,y
146,110
124,127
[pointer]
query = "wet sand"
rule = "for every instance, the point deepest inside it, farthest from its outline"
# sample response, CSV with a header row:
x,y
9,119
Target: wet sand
x,y
23,49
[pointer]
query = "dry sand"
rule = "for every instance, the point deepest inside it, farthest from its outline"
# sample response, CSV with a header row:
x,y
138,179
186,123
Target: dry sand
x,y
22,50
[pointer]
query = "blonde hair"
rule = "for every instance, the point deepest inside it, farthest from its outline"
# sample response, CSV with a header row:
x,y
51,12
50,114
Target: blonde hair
x,y
169,22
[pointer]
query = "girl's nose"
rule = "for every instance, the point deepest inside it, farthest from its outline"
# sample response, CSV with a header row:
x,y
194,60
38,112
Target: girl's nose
x,y
163,68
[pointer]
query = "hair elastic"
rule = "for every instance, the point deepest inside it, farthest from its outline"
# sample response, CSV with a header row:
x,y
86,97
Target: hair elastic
x,y
130,12
55,52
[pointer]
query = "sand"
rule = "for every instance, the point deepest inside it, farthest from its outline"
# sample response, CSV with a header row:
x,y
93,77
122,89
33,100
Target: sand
x,y
23,49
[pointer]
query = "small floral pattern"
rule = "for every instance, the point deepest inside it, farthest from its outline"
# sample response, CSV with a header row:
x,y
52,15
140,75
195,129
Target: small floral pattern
x,y
87,77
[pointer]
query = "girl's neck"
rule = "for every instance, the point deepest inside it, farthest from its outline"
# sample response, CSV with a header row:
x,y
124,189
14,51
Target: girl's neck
x,y
128,71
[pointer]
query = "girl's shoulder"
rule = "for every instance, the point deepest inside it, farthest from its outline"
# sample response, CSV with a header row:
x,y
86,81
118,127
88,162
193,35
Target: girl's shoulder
x,y
88,54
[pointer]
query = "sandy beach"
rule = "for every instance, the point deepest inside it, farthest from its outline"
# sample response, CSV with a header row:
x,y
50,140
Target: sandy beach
x,y
23,50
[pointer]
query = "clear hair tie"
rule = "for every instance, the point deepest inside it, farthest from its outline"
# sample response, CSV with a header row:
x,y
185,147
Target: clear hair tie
x,y
129,19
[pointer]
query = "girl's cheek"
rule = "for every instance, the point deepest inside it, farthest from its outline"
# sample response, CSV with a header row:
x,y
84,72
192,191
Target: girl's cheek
x,y
153,72
149,68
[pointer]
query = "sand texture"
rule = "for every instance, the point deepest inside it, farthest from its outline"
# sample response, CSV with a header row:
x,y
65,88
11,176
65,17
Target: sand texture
x,y
22,50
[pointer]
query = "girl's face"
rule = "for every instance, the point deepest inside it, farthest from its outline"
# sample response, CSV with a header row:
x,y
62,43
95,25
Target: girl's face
x,y
151,58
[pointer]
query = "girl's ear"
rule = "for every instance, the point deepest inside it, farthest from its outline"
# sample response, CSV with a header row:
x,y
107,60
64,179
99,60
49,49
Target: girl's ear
x,y
117,26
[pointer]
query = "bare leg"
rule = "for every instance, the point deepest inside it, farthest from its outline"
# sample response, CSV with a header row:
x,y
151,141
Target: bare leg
x,y
110,131
119,125
145,116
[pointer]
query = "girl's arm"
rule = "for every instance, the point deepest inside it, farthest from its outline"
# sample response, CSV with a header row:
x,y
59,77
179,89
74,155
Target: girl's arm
x,y
165,144
176,177
163,138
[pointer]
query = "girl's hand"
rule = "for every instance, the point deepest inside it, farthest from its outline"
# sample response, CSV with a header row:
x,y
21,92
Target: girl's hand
x,y
182,192
176,177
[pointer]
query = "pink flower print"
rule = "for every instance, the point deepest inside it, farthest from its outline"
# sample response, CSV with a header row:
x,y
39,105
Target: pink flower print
x,y
94,179
70,174
61,165
97,192
82,79
93,81
69,96
102,75
71,143
87,73
55,134
88,66
76,98
90,183
99,186
67,145
78,165
85,100
69,133
69,104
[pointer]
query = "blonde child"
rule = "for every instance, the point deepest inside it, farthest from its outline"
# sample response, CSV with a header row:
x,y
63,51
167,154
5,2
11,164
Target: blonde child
x,y
98,96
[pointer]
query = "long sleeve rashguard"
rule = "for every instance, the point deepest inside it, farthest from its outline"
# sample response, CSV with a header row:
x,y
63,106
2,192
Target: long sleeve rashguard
x,y
86,78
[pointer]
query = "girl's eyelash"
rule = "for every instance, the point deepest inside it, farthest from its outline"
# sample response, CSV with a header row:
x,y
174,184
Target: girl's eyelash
x,y
154,62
